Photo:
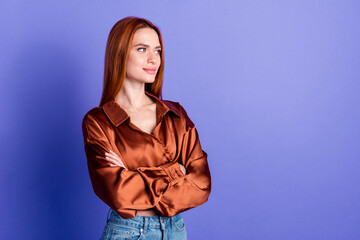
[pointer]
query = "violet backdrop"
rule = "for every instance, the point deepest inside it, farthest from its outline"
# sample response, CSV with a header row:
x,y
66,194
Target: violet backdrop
x,y
272,86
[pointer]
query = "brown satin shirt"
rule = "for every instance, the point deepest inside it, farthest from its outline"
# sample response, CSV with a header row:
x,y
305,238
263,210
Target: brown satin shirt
x,y
153,178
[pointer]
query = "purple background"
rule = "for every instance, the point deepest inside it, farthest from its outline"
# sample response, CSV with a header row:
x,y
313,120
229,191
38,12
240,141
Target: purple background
x,y
272,86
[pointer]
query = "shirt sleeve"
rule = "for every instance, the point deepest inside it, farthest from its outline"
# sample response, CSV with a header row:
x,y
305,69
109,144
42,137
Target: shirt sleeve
x,y
193,189
123,190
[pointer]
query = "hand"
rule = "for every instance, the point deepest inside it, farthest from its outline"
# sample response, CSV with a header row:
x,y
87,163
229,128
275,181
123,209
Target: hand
x,y
114,159
182,168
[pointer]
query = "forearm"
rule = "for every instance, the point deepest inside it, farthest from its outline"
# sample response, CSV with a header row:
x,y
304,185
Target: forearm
x,y
189,191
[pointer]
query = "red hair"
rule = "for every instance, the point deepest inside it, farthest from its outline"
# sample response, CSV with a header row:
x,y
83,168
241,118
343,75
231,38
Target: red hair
x,y
116,56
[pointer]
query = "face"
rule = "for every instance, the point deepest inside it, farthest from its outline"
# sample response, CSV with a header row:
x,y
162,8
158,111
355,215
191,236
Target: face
x,y
144,57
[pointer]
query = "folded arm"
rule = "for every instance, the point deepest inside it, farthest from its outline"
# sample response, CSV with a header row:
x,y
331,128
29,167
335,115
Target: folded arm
x,y
192,189
164,187
123,190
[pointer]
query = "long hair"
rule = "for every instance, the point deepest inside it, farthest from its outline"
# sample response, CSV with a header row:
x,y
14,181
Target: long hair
x,y
117,53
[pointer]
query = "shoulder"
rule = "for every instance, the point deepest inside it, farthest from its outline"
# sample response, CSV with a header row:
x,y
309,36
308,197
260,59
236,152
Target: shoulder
x,y
94,122
180,110
174,106
94,114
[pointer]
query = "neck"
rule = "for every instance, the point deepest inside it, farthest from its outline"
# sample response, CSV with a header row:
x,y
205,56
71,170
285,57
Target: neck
x,y
133,97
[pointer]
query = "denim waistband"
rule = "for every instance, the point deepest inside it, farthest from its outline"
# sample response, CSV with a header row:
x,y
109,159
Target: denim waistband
x,y
137,222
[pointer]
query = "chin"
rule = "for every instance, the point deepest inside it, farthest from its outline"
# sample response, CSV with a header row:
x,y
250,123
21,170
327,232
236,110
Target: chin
x,y
142,80
149,80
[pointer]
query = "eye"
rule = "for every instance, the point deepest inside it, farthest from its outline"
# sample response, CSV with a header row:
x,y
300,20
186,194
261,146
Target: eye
x,y
141,48
159,51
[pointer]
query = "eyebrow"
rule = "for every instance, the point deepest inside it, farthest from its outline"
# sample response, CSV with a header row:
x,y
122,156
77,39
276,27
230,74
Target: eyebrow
x,y
145,45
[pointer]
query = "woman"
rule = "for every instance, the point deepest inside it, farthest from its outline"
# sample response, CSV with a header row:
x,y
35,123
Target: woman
x,y
143,153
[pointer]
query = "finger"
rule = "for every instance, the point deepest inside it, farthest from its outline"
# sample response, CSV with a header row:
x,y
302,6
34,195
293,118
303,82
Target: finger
x,y
116,162
183,169
111,153
116,165
113,156
115,159
113,163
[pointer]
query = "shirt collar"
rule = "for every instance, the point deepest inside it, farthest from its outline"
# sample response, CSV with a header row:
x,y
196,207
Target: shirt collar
x,y
118,115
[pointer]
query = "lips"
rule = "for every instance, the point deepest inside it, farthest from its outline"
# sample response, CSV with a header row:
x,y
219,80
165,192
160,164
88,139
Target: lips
x,y
150,70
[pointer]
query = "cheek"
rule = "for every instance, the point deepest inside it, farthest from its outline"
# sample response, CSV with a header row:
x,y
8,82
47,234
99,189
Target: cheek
x,y
131,66
134,61
158,62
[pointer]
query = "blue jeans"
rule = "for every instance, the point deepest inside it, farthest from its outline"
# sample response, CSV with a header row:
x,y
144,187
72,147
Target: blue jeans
x,y
144,227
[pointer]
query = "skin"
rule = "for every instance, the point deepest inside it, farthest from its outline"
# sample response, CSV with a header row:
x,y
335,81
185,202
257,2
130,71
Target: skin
x,y
132,97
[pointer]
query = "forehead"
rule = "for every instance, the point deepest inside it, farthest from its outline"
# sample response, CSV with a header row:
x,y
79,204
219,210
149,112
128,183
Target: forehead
x,y
147,36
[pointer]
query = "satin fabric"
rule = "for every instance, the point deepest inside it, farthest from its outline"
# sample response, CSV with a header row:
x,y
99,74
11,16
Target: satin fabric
x,y
152,178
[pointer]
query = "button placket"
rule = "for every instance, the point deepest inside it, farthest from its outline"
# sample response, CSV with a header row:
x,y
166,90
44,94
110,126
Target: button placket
x,y
167,153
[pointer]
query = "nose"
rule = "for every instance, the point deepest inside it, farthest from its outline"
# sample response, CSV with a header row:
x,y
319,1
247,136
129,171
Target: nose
x,y
152,58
